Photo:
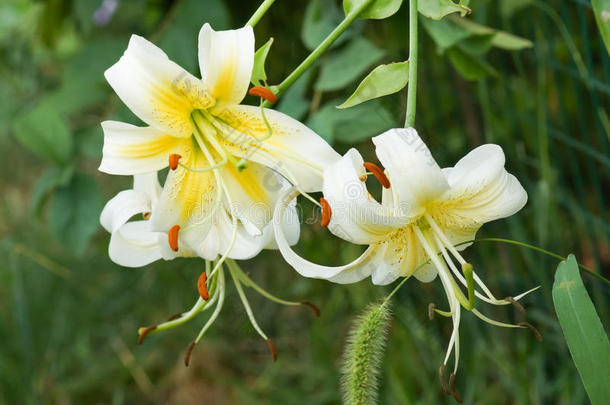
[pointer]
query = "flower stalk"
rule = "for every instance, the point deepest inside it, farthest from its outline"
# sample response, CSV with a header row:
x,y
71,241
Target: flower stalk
x,y
412,86
260,12
320,49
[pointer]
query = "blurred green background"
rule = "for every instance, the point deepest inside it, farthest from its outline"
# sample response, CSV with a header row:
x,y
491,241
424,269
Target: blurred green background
x,y
68,315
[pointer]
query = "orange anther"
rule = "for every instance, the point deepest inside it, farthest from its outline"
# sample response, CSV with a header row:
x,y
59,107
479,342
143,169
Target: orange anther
x,y
326,212
203,287
173,161
377,172
263,92
172,237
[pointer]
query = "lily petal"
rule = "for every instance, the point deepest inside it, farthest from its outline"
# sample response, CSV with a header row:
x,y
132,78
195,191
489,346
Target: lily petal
x,y
254,192
481,191
123,206
134,245
148,183
356,216
411,168
188,198
157,90
354,271
226,59
293,150
129,149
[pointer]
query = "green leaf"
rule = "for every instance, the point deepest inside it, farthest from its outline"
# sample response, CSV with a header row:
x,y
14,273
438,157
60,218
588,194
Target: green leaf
x,y
179,40
345,65
601,9
437,9
501,39
469,66
583,330
259,76
378,9
44,132
321,17
444,33
383,80
50,179
74,212
510,7
352,125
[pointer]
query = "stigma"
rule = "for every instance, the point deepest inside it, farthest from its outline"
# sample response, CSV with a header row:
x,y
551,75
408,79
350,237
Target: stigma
x,y
264,93
378,173
172,237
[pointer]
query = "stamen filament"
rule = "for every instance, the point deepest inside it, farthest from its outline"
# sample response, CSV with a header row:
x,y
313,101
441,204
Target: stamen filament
x,y
248,282
246,304
456,254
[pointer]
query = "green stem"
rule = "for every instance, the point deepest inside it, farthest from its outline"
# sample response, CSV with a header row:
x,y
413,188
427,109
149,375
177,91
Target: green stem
x,y
536,248
412,89
320,49
259,13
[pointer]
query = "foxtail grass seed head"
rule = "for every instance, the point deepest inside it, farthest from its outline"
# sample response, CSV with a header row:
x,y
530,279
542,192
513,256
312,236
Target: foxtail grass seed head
x,y
363,356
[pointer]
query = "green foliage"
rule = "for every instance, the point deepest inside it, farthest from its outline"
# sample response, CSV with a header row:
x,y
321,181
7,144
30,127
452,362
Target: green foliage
x,y
469,66
74,212
44,132
352,125
364,354
258,70
377,9
382,81
601,8
437,9
466,43
320,18
346,64
583,330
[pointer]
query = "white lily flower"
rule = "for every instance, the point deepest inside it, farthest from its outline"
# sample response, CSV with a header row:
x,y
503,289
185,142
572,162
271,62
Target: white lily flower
x,y
136,244
198,128
424,219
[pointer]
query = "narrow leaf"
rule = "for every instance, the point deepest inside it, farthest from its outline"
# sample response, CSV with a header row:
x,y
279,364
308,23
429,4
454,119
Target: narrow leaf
x,y
378,9
601,8
437,9
583,330
383,80
259,76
